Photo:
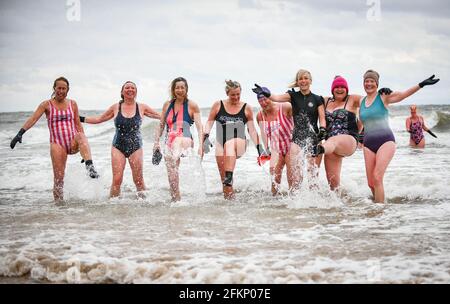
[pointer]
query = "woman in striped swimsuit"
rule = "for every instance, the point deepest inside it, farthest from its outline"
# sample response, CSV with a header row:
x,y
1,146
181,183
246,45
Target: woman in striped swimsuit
x,y
276,124
379,140
179,114
66,134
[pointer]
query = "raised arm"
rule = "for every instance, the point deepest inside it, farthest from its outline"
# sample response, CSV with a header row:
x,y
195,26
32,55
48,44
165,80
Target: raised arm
x,y
149,112
29,123
399,96
99,119
266,92
36,116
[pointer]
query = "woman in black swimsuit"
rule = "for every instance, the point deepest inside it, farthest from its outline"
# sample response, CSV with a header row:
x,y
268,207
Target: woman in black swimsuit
x,y
342,129
231,116
127,141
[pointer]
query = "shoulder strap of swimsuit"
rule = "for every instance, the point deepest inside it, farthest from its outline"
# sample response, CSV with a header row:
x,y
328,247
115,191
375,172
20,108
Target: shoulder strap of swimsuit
x,y
346,100
137,110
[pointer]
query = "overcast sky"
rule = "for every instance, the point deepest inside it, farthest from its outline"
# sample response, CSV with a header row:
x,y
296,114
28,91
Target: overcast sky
x,y
262,41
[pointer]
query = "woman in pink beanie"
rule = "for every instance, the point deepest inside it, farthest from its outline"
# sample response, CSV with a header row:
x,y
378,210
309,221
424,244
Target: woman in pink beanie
x,y
342,129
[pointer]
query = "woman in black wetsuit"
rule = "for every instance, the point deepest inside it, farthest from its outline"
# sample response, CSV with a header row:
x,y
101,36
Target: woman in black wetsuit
x,y
127,141
231,116
307,110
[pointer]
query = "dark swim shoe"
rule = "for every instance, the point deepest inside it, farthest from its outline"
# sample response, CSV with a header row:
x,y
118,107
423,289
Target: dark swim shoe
x,y
157,156
317,150
92,172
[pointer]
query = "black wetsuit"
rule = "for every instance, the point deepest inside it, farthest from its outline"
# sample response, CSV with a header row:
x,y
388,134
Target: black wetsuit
x,y
230,126
306,115
128,137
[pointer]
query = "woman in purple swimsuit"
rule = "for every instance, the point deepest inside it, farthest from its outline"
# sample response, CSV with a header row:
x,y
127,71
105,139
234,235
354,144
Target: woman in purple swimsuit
x,y
415,125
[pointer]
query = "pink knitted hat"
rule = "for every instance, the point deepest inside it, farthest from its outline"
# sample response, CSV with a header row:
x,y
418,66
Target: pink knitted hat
x,y
339,81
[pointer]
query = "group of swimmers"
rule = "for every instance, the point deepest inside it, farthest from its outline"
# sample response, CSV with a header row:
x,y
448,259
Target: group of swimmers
x,y
296,127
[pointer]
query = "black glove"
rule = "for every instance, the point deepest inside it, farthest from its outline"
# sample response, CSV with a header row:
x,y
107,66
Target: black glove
x,y
428,81
261,90
322,134
361,137
207,145
157,156
269,153
384,91
432,134
82,118
261,151
17,138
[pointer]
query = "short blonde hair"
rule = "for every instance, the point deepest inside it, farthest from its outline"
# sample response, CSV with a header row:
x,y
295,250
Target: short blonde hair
x,y
299,74
231,85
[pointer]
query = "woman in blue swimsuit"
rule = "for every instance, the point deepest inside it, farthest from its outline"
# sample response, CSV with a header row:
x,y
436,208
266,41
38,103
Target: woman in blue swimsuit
x,y
379,141
127,141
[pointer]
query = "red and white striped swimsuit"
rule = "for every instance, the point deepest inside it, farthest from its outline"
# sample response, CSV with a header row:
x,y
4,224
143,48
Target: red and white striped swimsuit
x,y
279,132
61,125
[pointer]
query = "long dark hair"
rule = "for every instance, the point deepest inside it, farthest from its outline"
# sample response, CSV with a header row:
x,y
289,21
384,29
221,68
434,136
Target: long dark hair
x,y
174,83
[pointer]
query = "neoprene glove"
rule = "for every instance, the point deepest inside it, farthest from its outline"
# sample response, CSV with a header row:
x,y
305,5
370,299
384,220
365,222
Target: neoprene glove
x,y
207,145
157,156
322,134
361,137
428,81
384,91
432,134
17,138
258,90
261,151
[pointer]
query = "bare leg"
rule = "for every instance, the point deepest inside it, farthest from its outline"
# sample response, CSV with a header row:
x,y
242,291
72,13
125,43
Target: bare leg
x,y
179,145
59,158
276,171
287,159
118,162
136,164
81,144
369,159
344,145
383,158
295,166
172,165
333,165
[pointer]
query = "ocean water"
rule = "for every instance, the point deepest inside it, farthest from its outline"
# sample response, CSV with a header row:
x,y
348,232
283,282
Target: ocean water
x,y
315,236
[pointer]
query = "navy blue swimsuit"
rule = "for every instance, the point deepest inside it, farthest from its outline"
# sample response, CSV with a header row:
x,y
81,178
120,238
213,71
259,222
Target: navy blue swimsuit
x,y
128,137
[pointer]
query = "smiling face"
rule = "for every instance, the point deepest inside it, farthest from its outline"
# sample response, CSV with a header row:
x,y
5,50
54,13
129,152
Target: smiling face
x,y
370,85
61,88
180,90
304,82
340,92
234,95
129,91
264,102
